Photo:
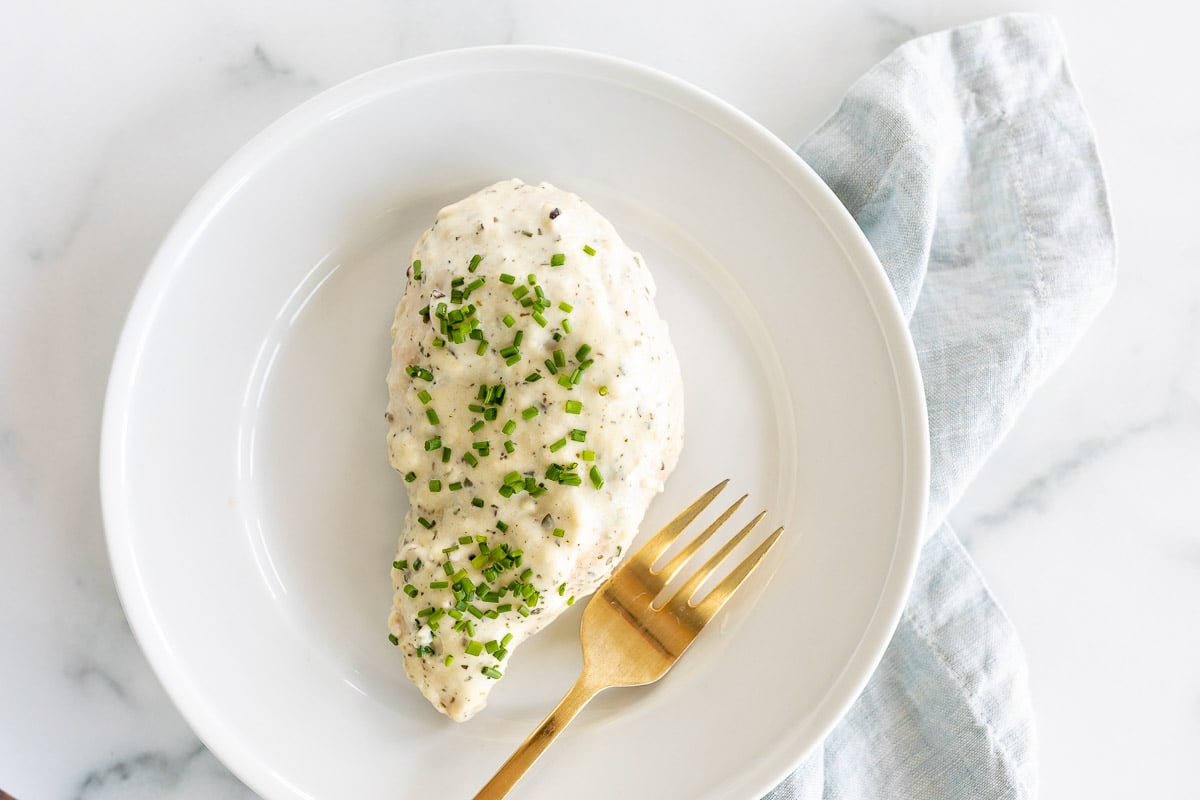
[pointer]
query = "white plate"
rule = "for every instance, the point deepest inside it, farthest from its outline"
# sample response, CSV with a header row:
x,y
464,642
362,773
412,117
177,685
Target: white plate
x,y
251,513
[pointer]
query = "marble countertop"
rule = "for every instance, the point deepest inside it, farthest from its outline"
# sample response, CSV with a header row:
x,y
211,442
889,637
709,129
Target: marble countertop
x,y
1085,521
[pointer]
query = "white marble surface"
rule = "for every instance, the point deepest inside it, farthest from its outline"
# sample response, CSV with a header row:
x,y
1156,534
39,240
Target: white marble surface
x,y
1085,521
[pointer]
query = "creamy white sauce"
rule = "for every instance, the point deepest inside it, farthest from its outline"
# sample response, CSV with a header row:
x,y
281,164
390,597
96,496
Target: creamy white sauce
x,y
631,412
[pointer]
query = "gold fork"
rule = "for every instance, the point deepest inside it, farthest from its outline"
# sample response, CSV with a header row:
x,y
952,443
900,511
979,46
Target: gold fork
x,y
628,642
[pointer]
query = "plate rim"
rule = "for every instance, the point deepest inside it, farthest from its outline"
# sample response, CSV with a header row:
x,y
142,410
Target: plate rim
x,y
368,86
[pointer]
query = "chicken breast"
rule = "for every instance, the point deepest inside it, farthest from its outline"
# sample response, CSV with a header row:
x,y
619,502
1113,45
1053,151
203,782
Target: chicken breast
x,y
535,409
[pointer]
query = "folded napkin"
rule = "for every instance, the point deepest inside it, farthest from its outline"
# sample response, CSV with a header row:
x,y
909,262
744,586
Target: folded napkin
x,y
969,162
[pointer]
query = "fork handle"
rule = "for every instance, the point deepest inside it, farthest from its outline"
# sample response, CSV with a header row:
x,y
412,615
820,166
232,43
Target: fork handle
x,y
537,742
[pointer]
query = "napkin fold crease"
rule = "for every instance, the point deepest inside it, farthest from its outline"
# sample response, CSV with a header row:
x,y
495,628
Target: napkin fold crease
x,y
969,162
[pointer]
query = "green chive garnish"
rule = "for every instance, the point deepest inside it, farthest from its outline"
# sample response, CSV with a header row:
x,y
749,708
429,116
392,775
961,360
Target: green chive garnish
x,y
410,477
582,352
477,502
591,251
529,413
417,269
433,443
392,638
506,278
435,485
559,445
558,259
573,406
508,320
426,524
424,396
432,416
588,455
474,648
559,532
410,590
597,478
603,391
475,259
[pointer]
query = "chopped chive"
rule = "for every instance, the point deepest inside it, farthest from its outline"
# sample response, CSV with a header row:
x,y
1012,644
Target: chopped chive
x,y
416,266
520,292
509,427
476,426
588,455
560,360
471,459
482,445
529,413
449,659
501,525
591,251
523,611
392,638
458,282
559,532
492,673
445,455
474,648
435,485
508,320
597,478
539,319
490,413
558,259
482,348
559,445
573,407
477,502
531,279
513,359
433,443
455,486
410,590
439,584
439,342
578,435
426,524
582,352
566,381
432,416
400,564
509,446
533,377
424,396
603,391
565,307
475,259
506,278
566,325
571,600
410,477
553,370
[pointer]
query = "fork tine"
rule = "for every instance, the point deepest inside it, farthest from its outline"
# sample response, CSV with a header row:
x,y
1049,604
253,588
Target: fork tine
x,y
659,543
693,583
673,566
715,599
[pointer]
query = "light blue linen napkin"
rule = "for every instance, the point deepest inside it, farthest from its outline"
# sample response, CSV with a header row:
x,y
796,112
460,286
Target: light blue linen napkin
x,y
968,160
